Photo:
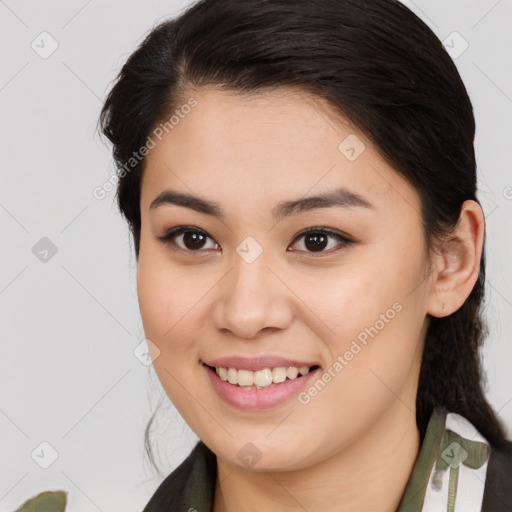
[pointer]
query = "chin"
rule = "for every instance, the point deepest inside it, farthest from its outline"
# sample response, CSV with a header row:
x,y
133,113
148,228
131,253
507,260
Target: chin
x,y
261,456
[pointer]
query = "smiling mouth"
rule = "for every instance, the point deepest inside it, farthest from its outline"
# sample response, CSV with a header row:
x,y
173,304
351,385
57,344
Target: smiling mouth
x,y
261,379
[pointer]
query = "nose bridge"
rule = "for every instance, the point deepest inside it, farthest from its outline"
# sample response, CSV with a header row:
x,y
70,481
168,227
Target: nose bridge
x,y
251,297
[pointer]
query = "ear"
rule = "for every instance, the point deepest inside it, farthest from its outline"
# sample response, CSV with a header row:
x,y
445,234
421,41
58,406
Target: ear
x,y
456,264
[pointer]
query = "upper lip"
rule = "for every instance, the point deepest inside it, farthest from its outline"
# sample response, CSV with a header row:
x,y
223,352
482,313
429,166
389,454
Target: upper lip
x,y
257,363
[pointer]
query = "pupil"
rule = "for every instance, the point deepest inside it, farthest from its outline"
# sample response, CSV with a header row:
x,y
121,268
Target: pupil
x,y
316,242
193,240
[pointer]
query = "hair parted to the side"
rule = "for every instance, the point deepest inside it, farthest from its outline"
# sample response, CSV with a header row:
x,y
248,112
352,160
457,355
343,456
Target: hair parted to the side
x,y
375,62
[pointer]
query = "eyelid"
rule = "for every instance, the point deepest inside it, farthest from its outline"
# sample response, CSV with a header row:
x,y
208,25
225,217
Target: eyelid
x,y
326,230
167,238
342,238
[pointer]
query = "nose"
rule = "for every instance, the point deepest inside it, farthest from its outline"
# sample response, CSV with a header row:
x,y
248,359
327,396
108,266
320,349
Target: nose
x,y
251,298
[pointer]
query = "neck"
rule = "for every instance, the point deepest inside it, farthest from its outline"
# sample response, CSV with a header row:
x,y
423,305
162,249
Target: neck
x,y
369,475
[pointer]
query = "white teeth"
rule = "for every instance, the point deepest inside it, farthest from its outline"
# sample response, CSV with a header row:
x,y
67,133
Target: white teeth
x,y
245,378
261,378
292,372
232,376
279,374
222,373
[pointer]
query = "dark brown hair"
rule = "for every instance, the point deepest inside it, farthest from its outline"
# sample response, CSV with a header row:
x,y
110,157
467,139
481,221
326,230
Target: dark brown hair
x,y
376,63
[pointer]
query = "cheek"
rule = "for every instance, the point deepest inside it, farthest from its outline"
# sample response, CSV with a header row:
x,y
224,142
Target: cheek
x,y
343,301
163,290
153,296
375,349
173,303
166,302
369,317
167,310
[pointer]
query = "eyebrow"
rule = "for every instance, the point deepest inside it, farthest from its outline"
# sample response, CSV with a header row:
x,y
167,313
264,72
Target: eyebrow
x,y
341,197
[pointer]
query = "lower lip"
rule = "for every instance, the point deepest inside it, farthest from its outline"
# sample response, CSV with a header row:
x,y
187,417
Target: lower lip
x,y
258,399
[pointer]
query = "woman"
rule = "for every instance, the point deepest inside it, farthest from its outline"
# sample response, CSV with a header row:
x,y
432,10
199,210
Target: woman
x,y
299,178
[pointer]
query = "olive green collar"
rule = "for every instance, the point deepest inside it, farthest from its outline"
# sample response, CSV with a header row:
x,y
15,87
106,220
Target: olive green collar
x,y
451,467
434,478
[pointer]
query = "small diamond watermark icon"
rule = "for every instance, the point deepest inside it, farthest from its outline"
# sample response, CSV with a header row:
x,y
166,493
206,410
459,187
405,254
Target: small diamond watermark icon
x,y
44,455
351,147
44,45
146,352
44,250
249,250
249,455
454,455
455,45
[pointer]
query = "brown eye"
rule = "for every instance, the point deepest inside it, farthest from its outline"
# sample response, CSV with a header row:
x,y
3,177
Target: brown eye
x,y
192,239
316,240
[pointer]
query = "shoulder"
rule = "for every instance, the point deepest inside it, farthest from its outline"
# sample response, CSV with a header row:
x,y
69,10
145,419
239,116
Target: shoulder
x,y
494,476
190,486
498,484
49,501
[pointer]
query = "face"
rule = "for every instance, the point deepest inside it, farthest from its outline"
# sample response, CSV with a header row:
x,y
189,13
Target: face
x,y
243,286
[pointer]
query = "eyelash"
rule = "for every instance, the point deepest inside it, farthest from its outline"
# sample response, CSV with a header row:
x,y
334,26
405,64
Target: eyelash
x,y
167,239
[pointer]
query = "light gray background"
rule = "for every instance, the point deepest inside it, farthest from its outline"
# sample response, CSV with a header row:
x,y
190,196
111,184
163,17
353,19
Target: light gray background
x,y
69,326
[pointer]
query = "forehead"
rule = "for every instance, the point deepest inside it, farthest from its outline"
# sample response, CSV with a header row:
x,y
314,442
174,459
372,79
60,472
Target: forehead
x,y
261,148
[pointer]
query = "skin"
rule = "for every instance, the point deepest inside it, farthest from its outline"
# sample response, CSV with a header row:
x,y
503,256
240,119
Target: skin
x,y
356,441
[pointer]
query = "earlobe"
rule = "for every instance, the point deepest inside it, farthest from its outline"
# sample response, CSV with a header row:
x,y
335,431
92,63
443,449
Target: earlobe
x,y
457,263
